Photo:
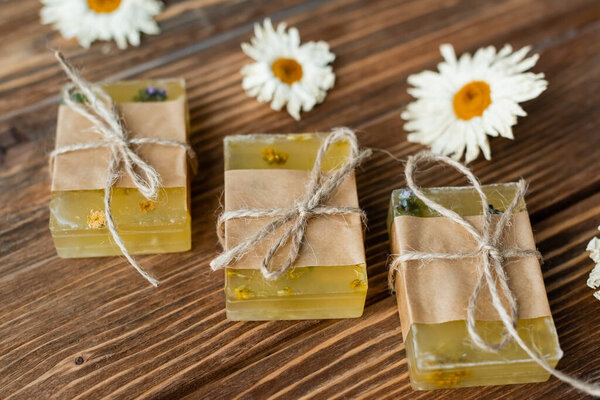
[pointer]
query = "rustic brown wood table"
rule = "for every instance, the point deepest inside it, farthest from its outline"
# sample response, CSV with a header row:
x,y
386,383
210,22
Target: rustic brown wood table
x,y
89,328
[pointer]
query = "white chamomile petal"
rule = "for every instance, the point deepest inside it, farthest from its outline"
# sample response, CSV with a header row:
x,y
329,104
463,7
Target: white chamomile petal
x,y
293,105
266,91
287,73
470,98
280,97
91,20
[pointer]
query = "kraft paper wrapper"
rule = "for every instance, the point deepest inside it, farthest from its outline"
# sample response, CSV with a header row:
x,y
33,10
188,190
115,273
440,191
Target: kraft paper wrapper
x,y
87,169
328,241
439,290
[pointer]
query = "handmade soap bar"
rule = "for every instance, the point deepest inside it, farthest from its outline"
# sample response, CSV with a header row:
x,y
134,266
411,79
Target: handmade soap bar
x,y
329,279
432,295
156,109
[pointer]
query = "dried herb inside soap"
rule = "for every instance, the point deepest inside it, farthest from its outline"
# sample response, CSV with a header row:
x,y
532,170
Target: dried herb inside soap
x,y
272,156
75,97
151,93
409,204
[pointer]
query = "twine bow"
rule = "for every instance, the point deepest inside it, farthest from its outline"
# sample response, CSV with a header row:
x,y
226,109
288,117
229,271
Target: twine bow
x,y
101,110
320,189
493,259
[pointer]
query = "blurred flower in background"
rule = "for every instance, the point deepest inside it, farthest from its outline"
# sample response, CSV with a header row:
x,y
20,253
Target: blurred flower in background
x,y
594,280
285,72
90,20
470,98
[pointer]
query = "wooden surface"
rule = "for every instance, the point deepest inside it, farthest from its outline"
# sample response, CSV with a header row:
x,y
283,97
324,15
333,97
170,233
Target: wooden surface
x,y
89,328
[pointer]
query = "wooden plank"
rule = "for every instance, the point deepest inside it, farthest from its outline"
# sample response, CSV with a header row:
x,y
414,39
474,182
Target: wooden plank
x,y
174,341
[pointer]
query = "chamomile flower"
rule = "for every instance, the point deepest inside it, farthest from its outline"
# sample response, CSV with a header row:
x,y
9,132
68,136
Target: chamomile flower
x,y
594,280
285,72
90,20
470,98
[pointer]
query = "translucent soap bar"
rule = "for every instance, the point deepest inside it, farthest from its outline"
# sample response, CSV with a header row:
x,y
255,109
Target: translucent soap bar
x,y
442,355
77,217
313,292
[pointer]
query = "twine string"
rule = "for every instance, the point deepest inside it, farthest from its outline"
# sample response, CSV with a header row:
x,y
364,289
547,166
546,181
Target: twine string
x,y
102,112
319,190
492,272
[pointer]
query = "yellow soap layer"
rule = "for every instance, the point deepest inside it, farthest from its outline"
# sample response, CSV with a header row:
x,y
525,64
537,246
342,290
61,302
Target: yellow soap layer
x,y
268,151
315,292
302,293
78,224
125,92
463,200
443,355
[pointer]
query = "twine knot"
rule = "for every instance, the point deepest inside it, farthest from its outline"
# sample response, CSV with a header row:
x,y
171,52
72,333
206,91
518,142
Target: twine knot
x,y
120,143
302,210
319,190
491,251
99,108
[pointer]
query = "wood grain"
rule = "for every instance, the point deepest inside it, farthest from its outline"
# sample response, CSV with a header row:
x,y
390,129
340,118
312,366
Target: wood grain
x,y
92,328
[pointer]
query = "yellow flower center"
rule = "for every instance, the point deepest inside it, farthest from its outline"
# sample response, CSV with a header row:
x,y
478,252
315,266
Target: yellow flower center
x,y
103,6
472,100
287,70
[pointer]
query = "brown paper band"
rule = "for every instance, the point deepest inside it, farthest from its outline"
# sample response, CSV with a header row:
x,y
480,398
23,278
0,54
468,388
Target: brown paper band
x,y
438,291
87,169
328,241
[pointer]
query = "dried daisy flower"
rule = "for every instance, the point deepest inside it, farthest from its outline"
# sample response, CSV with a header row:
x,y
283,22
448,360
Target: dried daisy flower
x,y
285,72
470,98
